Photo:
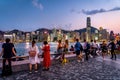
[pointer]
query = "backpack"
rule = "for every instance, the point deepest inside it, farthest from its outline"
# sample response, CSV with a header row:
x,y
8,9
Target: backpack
x,y
88,46
81,47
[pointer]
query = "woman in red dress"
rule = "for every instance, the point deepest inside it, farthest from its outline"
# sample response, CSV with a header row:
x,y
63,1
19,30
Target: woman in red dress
x,y
46,56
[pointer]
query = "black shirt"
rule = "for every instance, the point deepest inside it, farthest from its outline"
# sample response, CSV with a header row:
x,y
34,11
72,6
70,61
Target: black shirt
x,y
7,53
112,45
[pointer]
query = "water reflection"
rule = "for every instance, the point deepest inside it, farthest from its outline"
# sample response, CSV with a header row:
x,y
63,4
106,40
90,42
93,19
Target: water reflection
x,y
27,45
22,48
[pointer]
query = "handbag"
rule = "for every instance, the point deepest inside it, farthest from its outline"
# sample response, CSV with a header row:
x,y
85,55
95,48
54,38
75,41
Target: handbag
x,y
32,53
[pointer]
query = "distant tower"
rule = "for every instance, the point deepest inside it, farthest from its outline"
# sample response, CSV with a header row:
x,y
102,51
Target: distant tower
x,y
88,29
88,22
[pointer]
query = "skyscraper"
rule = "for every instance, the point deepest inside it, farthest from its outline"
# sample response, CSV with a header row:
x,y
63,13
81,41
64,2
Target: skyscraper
x,y
88,29
88,22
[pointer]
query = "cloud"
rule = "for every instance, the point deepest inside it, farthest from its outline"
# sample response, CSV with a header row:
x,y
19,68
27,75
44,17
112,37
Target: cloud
x,y
37,4
115,9
93,12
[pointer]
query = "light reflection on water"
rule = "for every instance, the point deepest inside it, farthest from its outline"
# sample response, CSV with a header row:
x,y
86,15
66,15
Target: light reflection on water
x,y
22,48
27,45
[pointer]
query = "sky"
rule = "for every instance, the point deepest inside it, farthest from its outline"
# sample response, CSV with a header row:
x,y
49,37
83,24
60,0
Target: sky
x,y
29,15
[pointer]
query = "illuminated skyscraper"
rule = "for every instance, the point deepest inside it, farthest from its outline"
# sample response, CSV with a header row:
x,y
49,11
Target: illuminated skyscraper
x,y
88,29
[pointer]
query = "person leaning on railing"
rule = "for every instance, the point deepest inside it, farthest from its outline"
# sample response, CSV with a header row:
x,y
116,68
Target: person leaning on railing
x,y
7,51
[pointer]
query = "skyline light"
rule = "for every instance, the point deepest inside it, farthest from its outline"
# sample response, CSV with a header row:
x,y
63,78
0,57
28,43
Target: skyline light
x,y
29,15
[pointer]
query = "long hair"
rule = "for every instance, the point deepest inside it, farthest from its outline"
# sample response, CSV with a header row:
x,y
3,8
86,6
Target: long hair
x,y
45,42
33,43
66,41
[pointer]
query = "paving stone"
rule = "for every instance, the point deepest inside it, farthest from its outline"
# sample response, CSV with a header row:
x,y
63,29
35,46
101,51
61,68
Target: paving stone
x,y
87,70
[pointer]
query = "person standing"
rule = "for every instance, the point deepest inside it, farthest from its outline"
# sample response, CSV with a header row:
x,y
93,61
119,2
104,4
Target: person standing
x,y
7,51
104,49
91,48
46,56
86,47
59,50
33,56
66,46
72,48
95,48
65,49
113,46
78,49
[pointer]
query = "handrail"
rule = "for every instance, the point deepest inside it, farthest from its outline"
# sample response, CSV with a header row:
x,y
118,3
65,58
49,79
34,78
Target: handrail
x,y
38,55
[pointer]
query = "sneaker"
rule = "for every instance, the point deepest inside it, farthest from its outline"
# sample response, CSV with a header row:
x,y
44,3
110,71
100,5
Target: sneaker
x,y
36,71
47,69
30,72
91,56
83,60
44,69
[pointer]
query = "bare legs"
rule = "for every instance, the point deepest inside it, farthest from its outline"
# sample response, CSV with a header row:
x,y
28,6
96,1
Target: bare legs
x,y
103,55
35,67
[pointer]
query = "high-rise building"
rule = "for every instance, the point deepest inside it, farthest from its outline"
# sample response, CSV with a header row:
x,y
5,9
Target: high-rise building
x,y
88,22
88,29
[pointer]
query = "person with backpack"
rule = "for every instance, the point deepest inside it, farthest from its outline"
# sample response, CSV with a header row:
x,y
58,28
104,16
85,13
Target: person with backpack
x,y
86,47
78,50
113,47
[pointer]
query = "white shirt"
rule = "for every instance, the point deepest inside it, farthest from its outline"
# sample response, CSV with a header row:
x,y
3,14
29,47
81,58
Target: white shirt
x,y
34,60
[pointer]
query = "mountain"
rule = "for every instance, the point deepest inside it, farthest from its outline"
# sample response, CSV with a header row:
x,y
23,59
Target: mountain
x,y
16,31
43,29
93,29
50,31
1,32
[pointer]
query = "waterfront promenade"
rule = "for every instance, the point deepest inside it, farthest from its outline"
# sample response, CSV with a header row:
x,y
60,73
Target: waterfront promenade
x,y
94,69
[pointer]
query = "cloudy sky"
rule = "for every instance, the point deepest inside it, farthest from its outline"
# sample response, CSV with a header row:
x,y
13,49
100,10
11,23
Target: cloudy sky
x,y
29,15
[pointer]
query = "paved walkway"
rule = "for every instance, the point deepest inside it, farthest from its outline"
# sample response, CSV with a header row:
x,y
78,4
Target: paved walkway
x,y
94,69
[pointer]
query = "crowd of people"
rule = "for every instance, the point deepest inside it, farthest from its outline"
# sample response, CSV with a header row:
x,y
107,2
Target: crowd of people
x,y
8,51
90,49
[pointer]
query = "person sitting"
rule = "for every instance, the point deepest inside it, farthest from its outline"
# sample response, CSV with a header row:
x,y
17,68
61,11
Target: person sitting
x,y
72,48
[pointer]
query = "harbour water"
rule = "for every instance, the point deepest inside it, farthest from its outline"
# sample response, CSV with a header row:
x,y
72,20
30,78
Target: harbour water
x,y
22,48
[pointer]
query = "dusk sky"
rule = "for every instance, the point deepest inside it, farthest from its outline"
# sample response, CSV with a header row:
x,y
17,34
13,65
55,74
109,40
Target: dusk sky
x,y
29,15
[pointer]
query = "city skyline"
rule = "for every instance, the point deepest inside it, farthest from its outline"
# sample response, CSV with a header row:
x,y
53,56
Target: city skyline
x,y
29,15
